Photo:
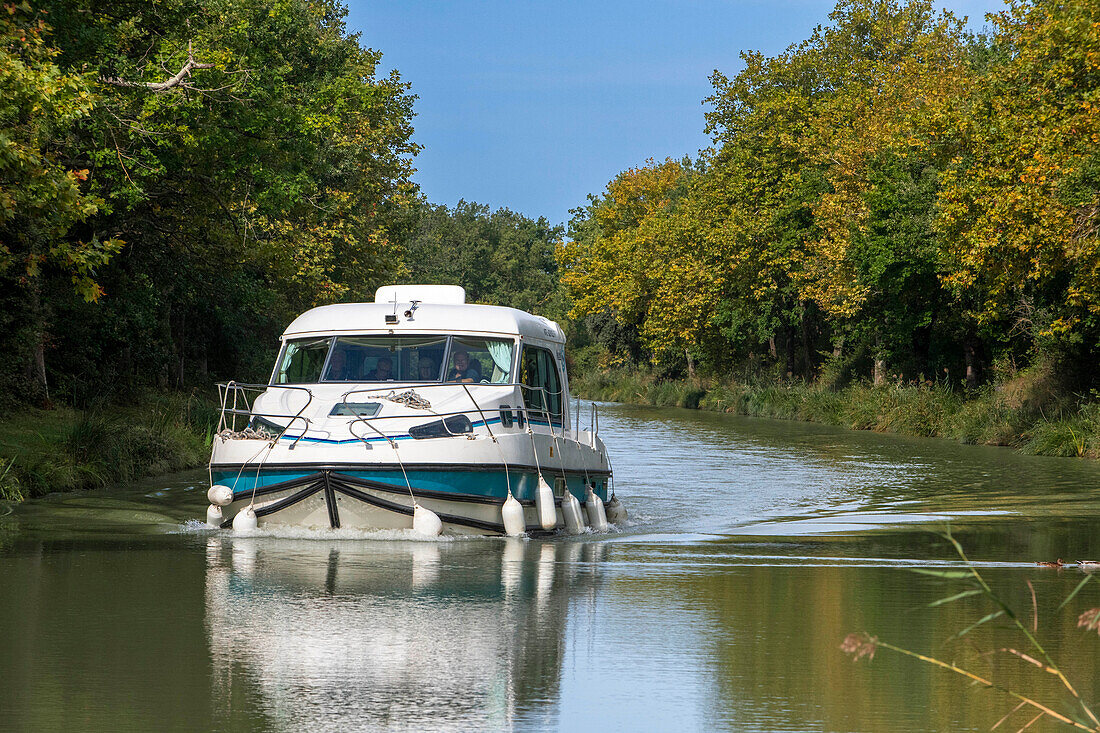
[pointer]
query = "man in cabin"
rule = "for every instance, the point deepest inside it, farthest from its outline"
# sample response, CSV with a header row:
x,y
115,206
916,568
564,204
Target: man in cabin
x,y
427,369
338,368
383,370
464,369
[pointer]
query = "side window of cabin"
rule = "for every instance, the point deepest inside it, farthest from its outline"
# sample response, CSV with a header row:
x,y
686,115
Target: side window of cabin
x,y
477,360
553,385
302,361
542,391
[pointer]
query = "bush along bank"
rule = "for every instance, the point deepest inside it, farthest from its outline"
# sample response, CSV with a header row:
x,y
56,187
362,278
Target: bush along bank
x,y
1010,414
62,449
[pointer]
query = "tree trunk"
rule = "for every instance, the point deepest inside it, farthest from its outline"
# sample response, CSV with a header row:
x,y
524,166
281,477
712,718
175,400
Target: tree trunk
x,y
126,364
40,363
771,347
788,350
691,364
38,350
807,359
972,353
179,344
879,375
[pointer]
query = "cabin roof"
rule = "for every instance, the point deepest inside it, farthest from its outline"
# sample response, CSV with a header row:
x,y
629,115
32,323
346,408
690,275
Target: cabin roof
x,y
349,318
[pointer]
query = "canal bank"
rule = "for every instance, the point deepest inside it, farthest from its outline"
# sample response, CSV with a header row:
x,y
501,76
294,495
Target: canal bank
x,y
1025,416
66,449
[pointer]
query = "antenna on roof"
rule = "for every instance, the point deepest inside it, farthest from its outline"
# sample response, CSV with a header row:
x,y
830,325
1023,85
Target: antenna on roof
x,y
390,320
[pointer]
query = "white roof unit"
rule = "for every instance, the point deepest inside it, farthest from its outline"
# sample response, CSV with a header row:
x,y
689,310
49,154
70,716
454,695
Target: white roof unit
x,y
391,318
443,294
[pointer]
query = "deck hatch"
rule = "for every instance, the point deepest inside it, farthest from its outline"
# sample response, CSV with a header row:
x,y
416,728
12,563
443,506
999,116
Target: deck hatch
x,y
355,409
453,425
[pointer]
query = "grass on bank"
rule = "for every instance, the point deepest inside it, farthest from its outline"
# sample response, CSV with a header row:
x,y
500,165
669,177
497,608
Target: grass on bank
x,y
63,449
1019,413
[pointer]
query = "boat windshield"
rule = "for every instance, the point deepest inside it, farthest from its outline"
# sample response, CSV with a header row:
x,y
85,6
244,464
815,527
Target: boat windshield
x,y
396,359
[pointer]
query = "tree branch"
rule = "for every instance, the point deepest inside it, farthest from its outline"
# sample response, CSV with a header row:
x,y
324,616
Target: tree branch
x,y
163,86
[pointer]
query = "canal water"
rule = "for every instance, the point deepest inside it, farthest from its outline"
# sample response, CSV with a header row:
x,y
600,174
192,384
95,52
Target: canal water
x,y
753,549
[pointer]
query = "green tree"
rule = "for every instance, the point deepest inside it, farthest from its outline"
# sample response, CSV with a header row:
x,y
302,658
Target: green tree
x,y
42,194
500,257
251,159
620,259
1020,207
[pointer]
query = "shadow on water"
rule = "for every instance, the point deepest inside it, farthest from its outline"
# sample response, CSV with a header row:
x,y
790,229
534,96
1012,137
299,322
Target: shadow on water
x,y
755,547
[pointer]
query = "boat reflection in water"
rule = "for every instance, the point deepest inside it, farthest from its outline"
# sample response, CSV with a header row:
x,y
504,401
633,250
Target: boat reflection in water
x,y
393,634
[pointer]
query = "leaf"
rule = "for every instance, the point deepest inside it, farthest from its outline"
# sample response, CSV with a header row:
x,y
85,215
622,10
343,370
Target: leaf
x,y
979,622
956,597
1076,590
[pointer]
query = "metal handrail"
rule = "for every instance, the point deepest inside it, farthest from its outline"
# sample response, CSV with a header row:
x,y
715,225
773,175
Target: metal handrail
x,y
522,406
444,415
484,421
241,389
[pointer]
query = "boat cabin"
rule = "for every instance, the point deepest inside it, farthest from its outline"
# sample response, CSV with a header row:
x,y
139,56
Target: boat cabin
x,y
424,335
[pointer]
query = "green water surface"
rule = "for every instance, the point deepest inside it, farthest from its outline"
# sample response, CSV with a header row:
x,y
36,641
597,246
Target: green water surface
x,y
754,547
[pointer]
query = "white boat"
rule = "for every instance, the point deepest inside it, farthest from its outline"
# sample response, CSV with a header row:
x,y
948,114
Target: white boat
x,y
418,411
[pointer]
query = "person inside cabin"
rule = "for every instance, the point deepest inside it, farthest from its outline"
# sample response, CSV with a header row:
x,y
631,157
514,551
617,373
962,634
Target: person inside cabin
x,y
383,370
427,369
339,370
464,369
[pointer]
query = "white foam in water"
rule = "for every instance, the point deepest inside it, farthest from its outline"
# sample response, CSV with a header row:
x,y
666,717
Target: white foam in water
x,y
634,520
193,526
309,533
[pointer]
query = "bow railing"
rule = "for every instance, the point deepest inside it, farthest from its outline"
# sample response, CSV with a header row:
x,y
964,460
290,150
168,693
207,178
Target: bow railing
x,y
238,409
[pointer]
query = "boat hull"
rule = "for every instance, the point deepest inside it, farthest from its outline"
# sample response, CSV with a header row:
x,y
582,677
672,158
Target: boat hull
x,y
468,499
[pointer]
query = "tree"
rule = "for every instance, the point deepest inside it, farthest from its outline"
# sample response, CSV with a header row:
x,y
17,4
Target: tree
x,y
621,261
251,159
42,194
1020,207
500,257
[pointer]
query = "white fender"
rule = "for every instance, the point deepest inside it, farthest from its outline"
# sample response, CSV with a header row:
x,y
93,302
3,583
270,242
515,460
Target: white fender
x,y
616,512
601,511
597,518
426,522
220,495
512,514
571,512
245,520
214,515
544,500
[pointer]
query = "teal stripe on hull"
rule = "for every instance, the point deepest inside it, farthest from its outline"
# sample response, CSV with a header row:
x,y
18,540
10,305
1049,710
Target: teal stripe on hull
x,y
490,484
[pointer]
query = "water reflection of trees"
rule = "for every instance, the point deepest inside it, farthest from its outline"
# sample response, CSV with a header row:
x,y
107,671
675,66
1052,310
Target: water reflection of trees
x,y
777,665
373,634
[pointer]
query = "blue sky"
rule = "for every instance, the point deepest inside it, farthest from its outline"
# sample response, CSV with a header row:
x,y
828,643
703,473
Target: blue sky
x,y
534,105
